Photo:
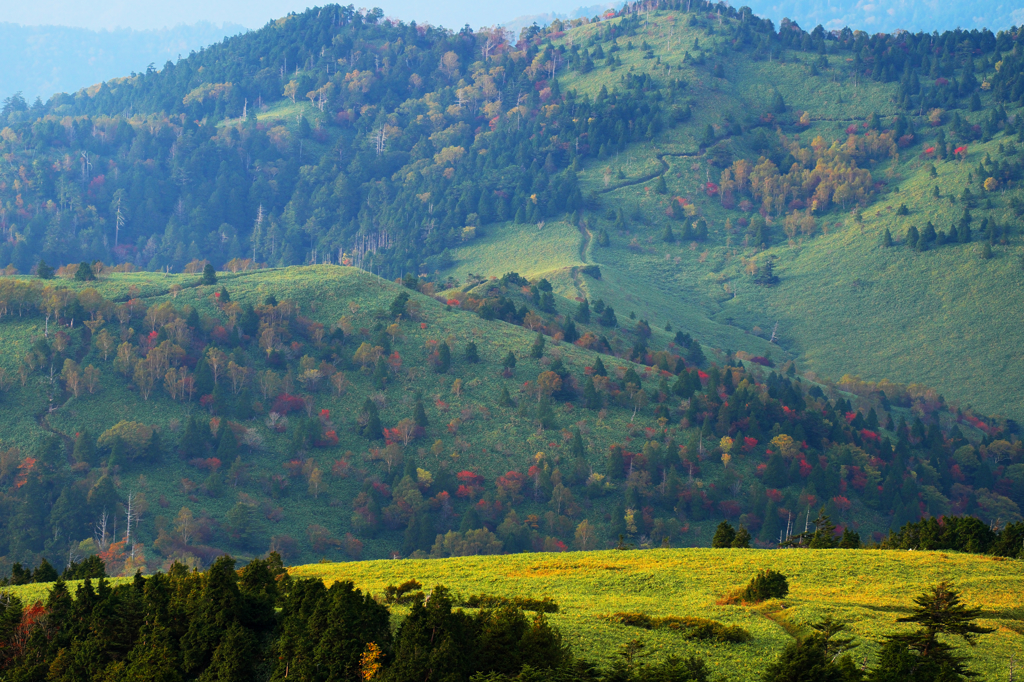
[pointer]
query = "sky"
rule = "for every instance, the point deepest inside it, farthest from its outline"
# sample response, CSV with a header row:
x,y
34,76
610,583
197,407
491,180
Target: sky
x,y
151,14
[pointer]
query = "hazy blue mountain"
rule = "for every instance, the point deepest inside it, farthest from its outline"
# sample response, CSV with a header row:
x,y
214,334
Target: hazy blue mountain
x,y
520,22
41,60
878,16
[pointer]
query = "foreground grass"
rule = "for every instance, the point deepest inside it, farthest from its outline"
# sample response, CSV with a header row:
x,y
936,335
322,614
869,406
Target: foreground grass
x,y
871,589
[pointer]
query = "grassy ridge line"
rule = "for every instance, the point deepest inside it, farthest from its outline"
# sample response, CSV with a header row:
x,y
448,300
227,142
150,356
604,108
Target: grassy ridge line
x,y
869,588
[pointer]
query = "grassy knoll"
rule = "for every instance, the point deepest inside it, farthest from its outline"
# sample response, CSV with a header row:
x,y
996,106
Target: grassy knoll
x,y
527,249
869,588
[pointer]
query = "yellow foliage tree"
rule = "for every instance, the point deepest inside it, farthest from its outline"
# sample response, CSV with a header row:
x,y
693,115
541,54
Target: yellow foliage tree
x,y
785,445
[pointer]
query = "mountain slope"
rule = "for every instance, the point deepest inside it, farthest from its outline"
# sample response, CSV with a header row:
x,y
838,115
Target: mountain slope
x,y
675,216
322,411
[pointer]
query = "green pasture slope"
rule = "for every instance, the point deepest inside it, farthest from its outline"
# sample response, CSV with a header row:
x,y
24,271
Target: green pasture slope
x,y
868,588
945,318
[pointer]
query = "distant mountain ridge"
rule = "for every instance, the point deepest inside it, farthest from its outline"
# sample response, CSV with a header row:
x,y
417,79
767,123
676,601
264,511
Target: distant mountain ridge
x,y
545,18
42,60
886,16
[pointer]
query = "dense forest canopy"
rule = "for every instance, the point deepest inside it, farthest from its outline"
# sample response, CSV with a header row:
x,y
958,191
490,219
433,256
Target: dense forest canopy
x,y
398,137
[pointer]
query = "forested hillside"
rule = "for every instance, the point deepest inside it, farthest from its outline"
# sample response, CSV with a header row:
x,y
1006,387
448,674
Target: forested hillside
x,y
322,412
616,269
649,142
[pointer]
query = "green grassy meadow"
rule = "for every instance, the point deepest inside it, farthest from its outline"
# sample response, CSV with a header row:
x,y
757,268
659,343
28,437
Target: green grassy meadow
x,y
869,588
944,318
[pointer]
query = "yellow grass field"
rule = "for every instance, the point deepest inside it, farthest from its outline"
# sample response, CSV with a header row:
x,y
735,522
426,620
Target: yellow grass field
x,y
870,589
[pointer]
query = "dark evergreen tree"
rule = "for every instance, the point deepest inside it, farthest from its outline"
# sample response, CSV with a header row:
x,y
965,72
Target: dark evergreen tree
x,y
537,350
724,535
84,272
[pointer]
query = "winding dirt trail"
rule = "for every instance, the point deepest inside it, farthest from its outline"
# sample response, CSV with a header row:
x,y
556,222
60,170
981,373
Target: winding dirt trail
x,y
660,156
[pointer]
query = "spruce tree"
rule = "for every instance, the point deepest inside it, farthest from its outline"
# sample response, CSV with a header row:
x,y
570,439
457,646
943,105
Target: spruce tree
x,y
372,430
227,448
472,356
583,313
546,415
577,449
570,334
84,451
940,611
591,397
84,272
420,415
724,535
742,539
444,358
537,350
209,275
824,533
608,318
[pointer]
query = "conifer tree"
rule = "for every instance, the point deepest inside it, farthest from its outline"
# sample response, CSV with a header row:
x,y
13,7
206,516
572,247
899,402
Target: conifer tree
x,y
922,655
372,430
583,313
742,538
590,395
227,448
420,415
537,350
444,358
724,535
